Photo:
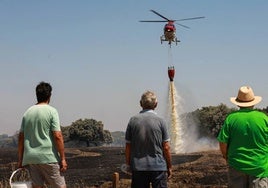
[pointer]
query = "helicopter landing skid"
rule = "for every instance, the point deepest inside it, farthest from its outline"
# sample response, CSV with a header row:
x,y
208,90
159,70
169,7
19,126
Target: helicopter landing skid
x,y
176,41
162,38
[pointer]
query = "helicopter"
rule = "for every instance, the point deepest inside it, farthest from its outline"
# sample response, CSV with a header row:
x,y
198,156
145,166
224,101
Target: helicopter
x,y
169,28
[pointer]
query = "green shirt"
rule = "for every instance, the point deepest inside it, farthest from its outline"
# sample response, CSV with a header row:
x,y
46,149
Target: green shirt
x,y
246,134
37,125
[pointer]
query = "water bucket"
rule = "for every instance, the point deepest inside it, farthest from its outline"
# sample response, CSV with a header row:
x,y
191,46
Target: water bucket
x,y
19,184
126,169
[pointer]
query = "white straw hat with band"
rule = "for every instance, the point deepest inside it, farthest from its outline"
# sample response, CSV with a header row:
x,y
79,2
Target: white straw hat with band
x,y
245,97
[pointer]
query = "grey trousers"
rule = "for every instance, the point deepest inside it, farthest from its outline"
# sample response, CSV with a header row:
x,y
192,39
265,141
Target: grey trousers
x,y
237,179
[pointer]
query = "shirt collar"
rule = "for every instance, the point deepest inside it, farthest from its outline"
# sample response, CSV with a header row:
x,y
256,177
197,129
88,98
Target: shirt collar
x,y
148,110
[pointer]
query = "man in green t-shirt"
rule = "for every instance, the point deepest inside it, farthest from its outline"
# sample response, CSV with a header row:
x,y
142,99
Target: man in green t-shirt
x,y
41,147
243,141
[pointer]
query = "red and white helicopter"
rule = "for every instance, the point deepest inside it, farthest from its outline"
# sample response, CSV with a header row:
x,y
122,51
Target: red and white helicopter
x,y
170,29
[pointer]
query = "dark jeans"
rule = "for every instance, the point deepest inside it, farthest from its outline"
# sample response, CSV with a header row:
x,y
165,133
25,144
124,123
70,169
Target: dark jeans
x,y
142,179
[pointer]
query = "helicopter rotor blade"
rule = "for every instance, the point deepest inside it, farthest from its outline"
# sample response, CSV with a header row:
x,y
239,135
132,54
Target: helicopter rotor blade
x,y
183,26
153,21
194,18
160,15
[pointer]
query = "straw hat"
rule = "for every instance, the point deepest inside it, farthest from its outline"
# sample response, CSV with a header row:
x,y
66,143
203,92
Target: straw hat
x,y
245,97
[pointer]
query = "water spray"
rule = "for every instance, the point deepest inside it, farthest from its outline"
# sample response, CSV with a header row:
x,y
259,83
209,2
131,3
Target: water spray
x,y
176,131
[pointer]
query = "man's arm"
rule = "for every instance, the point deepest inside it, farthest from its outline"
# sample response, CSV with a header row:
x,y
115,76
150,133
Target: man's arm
x,y
128,149
223,148
167,155
58,138
20,149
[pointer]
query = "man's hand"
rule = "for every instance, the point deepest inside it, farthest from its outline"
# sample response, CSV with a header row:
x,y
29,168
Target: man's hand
x,y
63,165
169,172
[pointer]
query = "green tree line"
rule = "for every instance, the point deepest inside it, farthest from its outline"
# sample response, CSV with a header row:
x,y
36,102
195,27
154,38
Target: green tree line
x,y
208,121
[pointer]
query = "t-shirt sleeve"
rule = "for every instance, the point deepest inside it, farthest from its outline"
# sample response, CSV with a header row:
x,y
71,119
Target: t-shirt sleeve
x,y
22,125
224,133
55,121
128,133
165,135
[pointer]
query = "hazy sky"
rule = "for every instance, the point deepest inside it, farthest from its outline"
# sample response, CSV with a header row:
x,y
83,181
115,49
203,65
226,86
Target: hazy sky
x,y
99,58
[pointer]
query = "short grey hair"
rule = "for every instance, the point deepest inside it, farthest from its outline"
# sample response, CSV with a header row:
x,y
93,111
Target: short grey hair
x,y
148,100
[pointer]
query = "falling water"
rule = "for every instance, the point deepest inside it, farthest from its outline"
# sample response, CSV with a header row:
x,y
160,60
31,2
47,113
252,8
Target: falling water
x,y
184,139
175,122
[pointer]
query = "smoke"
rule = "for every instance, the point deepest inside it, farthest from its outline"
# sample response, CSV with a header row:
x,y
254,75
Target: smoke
x,y
184,135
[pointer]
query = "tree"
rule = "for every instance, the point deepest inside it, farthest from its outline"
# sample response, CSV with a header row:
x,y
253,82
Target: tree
x,y
264,110
211,118
88,130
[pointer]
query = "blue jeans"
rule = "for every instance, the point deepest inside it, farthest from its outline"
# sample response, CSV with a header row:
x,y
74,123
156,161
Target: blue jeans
x,y
142,179
237,179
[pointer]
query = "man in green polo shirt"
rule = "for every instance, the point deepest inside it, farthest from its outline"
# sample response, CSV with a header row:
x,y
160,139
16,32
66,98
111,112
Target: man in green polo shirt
x,y
243,141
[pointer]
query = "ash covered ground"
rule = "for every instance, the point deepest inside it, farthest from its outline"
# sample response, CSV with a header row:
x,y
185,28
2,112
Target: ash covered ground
x,y
94,167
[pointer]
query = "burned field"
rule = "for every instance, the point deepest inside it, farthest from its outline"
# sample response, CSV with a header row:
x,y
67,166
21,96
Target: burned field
x,y
94,167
